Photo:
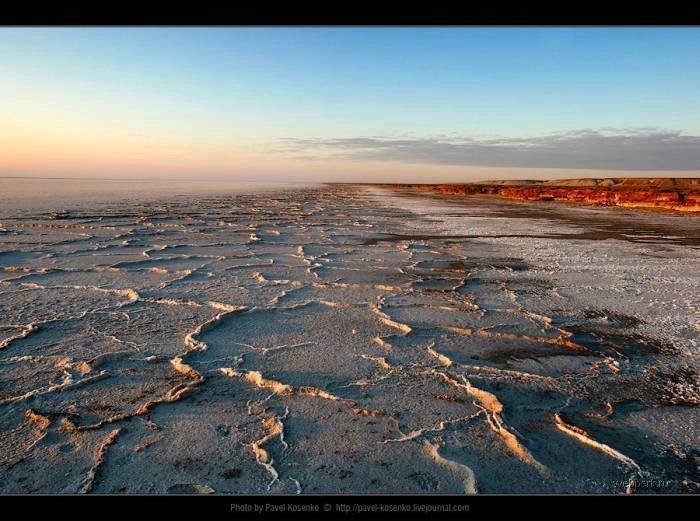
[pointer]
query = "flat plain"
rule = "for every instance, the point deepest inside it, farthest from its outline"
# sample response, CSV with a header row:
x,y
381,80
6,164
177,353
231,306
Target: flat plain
x,y
347,339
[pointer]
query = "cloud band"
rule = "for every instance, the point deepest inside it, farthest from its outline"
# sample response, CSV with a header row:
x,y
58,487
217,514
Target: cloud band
x,y
602,149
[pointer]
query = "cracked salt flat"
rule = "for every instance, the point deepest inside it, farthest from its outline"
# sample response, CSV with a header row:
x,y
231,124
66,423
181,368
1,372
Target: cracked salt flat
x,y
345,340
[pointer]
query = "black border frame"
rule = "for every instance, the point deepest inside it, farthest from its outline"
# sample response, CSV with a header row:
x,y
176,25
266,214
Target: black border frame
x,y
345,12
489,13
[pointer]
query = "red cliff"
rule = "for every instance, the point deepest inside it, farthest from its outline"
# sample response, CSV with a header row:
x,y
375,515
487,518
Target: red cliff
x,y
678,194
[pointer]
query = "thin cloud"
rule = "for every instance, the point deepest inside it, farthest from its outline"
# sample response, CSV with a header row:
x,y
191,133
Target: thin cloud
x,y
601,149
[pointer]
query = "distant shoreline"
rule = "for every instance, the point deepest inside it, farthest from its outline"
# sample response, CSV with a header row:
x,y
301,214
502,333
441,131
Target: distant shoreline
x,y
666,194
156,179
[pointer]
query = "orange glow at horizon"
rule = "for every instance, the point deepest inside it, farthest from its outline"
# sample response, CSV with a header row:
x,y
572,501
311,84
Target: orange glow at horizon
x,y
51,150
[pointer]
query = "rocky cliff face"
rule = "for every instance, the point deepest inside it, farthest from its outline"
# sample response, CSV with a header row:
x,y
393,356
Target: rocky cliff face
x,y
651,193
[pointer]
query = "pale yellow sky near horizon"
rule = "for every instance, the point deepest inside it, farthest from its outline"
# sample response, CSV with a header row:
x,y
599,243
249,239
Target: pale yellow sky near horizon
x,y
25,155
58,152
339,172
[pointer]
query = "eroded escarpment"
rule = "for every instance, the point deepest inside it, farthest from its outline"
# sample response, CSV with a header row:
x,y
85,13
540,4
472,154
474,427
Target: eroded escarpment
x,y
677,194
342,341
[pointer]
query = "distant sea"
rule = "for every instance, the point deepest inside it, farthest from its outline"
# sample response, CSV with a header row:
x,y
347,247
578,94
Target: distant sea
x,y
64,193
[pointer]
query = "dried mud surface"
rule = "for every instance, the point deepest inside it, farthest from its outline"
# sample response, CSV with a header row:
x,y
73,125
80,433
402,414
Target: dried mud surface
x,y
347,340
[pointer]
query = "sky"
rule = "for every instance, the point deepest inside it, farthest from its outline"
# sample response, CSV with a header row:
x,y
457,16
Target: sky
x,y
349,104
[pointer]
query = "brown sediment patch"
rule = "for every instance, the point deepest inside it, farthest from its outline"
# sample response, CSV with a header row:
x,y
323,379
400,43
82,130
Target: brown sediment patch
x,y
557,341
614,318
618,342
395,237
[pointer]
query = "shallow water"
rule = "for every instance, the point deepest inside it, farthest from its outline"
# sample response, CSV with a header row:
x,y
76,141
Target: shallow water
x,y
22,193
345,340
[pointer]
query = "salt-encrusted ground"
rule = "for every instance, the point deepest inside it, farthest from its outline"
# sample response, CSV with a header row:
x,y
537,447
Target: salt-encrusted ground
x,y
347,340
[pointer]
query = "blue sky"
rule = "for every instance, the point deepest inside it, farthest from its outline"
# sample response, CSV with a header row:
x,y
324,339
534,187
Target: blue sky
x,y
248,88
